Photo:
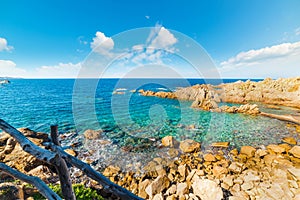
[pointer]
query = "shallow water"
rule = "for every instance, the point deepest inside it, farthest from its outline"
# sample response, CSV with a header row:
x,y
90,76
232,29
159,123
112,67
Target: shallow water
x,y
128,118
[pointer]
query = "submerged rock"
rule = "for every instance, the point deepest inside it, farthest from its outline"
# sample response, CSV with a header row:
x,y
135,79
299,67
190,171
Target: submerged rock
x,y
92,134
220,144
169,141
188,146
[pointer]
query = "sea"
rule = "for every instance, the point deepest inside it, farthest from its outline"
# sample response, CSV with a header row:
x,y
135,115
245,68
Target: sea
x,y
115,107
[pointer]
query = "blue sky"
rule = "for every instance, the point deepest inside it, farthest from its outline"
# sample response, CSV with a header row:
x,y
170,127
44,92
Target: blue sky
x,y
244,38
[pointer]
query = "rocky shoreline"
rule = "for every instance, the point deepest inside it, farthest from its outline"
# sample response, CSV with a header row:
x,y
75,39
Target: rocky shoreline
x,y
268,172
283,91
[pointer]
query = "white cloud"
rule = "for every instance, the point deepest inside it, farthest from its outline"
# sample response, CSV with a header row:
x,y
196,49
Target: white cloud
x,y
62,70
102,44
261,55
277,60
159,43
147,17
164,39
4,46
8,69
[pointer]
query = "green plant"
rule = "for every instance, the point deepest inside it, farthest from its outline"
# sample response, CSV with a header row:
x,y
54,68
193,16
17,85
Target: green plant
x,y
81,192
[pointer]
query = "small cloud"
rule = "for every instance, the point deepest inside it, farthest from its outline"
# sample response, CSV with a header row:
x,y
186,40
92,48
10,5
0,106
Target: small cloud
x,y
8,69
297,31
81,40
163,39
147,17
4,46
102,44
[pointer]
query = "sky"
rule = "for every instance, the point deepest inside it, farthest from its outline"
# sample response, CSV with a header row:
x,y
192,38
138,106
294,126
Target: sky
x,y
56,39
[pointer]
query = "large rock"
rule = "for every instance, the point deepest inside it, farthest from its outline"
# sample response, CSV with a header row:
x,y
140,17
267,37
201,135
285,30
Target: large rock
x,y
111,171
248,150
188,146
295,172
295,151
142,188
289,140
220,144
209,157
207,189
169,141
157,186
14,156
182,189
92,134
11,191
275,148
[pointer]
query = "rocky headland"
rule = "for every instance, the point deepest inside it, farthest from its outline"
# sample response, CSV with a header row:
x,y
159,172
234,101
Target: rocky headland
x,y
283,91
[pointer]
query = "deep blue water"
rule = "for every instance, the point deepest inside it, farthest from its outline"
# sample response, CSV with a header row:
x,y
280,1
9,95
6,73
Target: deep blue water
x,y
39,103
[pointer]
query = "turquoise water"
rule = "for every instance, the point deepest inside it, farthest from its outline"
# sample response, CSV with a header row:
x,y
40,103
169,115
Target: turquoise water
x,y
128,118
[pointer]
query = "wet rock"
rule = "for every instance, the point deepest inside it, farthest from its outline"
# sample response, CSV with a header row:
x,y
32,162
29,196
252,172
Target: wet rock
x,y
261,153
71,152
295,151
111,171
234,152
173,152
169,141
209,157
188,146
248,150
220,144
92,134
289,140
287,147
275,148
207,189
